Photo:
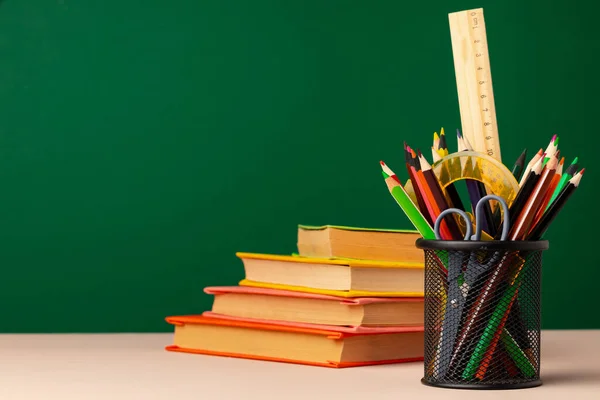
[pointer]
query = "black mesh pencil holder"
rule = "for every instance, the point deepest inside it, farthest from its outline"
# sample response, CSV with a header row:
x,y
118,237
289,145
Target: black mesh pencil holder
x,y
482,313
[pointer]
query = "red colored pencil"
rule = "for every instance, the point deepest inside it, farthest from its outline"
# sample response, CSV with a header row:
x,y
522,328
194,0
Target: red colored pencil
x,y
527,214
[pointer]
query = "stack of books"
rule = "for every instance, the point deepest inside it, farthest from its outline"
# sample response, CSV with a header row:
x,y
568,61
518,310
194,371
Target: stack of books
x,y
349,297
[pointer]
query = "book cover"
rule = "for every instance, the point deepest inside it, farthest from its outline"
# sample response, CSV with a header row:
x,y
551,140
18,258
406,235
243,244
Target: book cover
x,y
333,337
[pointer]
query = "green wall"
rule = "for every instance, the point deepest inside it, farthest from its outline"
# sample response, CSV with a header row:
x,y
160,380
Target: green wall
x,y
143,143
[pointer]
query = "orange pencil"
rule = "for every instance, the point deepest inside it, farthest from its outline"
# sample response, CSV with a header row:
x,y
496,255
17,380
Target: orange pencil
x,y
527,214
413,179
548,196
432,206
438,194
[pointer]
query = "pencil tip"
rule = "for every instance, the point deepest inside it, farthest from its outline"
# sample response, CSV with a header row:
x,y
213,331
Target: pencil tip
x,y
562,161
575,161
458,133
442,131
553,138
582,171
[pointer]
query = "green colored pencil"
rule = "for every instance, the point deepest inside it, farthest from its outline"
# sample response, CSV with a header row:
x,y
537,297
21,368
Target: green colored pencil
x,y
409,208
517,354
551,149
495,322
566,176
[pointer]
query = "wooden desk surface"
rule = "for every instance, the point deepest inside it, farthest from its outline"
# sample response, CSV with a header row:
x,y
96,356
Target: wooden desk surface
x,y
136,367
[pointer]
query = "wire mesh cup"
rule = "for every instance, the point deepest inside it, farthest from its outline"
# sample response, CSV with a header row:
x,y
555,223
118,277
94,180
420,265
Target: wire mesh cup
x,y
482,313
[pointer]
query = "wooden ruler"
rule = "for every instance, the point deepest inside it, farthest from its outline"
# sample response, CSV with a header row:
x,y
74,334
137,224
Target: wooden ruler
x,y
474,81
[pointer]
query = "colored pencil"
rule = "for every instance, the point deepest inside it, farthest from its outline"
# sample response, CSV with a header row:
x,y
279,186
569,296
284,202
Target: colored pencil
x,y
487,343
522,361
433,207
566,176
517,170
551,189
438,195
477,190
530,165
436,142
540,228
443,146
404,201
523,194
453,195
526,215
435,156
413,179
551,149
473,324
419,186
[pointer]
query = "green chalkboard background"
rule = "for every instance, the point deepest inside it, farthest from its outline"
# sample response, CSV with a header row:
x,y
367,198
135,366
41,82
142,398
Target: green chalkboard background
x,y
143,143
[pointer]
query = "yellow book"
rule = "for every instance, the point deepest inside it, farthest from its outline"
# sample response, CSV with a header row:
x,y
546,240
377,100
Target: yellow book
x,y
337,277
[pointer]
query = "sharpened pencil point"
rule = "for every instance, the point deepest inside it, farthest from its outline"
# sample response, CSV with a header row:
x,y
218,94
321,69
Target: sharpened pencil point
x,y
582,171
575,161
388,171
458,133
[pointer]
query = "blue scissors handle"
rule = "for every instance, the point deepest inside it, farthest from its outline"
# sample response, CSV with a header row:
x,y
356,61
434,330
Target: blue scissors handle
x,y
440,218
478,217
479,211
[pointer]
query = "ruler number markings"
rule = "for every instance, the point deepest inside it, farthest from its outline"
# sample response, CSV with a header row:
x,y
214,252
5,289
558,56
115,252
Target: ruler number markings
x,y
480,49
476,96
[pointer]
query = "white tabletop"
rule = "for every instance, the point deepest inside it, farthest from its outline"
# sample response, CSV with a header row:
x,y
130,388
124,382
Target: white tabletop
x,y
136,367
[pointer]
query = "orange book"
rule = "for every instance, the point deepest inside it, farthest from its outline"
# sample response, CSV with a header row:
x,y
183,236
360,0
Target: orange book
x,y
295,306
331,347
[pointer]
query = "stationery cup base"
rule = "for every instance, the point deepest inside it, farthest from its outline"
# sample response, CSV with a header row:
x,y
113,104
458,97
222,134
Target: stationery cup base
x,y
482,313
523,385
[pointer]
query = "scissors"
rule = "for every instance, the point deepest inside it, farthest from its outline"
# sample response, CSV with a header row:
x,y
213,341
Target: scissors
x,y
457,292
